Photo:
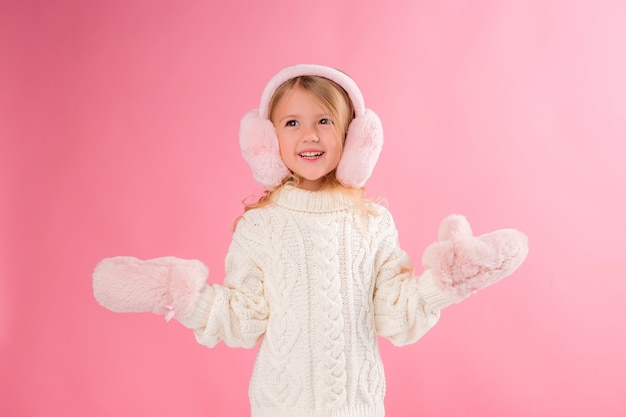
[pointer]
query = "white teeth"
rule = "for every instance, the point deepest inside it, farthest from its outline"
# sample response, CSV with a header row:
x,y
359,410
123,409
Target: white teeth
x,y
311,154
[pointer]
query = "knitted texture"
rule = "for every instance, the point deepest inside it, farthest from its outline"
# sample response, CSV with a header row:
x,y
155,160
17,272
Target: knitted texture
x,y
316,281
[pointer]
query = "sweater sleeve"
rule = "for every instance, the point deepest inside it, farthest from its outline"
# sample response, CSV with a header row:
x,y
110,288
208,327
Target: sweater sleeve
x,y
236,311
405,306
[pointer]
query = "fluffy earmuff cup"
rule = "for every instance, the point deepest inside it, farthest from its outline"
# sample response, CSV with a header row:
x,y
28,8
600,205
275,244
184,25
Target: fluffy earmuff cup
x,y
259,147
364,142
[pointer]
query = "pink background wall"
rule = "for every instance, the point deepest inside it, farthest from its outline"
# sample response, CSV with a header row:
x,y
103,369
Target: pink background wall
x,y
118,135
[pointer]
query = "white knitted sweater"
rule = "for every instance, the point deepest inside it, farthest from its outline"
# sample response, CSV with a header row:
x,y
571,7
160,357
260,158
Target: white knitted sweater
x,y
316,283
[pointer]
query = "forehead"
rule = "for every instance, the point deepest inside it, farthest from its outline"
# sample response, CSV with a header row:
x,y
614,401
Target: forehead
x,y
297,99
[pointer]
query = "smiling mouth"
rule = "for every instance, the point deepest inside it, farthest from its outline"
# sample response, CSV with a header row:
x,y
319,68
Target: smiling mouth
x,y
311,155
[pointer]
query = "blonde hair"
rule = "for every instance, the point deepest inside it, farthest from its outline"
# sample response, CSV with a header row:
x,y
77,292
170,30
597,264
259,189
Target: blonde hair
x,y
332,97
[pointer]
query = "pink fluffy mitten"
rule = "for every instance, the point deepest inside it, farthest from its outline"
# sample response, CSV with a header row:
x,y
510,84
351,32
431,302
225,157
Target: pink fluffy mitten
x,y
165,285
463,264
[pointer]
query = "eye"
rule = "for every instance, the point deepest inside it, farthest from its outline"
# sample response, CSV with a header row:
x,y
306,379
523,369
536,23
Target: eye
x,y
291,123
326,121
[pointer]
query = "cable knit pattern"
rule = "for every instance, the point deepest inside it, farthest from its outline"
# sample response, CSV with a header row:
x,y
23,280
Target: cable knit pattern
x,y
316,282
326,271
371,377
283,385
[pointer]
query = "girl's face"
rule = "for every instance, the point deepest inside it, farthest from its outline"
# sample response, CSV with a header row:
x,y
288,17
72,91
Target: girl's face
x,y
310,144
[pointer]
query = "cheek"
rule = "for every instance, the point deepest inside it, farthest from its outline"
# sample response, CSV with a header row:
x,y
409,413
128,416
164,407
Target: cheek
x,y
281,139
283,145
336,149
338,143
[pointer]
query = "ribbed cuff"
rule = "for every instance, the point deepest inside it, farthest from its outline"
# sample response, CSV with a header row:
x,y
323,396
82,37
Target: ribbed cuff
x,y
435,297
201,310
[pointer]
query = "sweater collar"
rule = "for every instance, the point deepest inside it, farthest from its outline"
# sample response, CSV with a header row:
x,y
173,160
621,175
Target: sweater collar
x,y
311,201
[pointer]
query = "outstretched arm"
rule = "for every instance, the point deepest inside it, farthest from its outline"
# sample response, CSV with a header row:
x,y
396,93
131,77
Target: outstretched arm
x,y
235,312
457,265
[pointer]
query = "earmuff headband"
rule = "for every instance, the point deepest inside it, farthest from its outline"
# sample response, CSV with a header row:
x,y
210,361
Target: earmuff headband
x,y
259,143
318,70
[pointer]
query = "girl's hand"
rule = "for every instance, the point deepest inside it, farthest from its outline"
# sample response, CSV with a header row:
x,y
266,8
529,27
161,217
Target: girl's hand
x,y
464,264
165,285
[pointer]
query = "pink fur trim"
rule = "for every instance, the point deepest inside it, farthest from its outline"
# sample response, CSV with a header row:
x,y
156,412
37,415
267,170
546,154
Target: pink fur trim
x,y
332,74
363,145
454,225
464,264
127,284
259,147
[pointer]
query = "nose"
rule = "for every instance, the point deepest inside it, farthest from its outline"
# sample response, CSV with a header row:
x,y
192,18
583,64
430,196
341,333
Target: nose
x,y
310,135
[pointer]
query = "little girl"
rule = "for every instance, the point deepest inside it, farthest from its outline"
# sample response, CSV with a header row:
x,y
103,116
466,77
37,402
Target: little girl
x,y
314,271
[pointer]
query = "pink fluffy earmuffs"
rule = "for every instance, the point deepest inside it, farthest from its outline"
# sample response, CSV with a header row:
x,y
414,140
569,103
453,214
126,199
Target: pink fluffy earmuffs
x,y
259,144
